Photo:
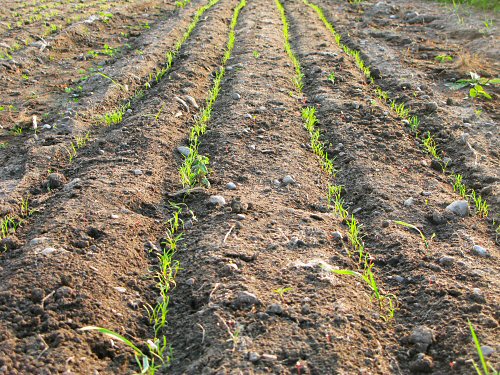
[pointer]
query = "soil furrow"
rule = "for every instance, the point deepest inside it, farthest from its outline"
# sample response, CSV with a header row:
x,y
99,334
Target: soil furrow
x,y
384,181
273,236
26,156
398,60
97,230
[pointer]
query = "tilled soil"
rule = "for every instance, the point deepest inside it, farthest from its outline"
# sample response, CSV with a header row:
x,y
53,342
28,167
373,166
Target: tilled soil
x,y
256,292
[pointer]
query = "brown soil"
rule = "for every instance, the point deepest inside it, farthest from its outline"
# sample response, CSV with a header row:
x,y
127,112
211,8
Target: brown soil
x,y
84,256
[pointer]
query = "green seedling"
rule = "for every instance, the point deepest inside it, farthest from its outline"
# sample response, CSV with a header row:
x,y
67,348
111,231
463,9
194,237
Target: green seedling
x,y
485,366
147,363
256,54
482,208
108,51
8,225
430,146
92,54
458,186
331,77
444,58
282,291
3,145
334,196
411,226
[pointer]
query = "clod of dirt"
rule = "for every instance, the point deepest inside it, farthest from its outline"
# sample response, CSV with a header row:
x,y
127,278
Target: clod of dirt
x,y
237,206
459,208
55,181
246,299
37,295
48,250
422,337
446,261
423,363
10,243
275,308
191,101
253,357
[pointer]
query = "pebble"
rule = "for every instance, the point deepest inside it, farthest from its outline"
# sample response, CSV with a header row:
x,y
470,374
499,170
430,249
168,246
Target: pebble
x,y
137,172
399,279
248,116
231,186
481,251
55,180
191,101
446,260
268,357
241,217
235,96
409,202
253,357
275,308
287,180
217,200
246,299
37,241
431,107
114,216
183,150
426,193
487,350
48,250
120,289
37,295
337,236
46,126
460,208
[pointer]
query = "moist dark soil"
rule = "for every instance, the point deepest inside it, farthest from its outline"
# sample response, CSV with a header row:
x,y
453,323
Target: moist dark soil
x,y
256,293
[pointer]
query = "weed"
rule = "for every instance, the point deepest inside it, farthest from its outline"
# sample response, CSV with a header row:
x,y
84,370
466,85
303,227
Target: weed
x,y
3,145
484,364
256,54
331,77
411,226
444,58
282,291
476,83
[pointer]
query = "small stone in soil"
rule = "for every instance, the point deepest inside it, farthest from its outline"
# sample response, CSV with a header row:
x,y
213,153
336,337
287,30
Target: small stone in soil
x,y
481,251
446,261
231,186
48,251
183,150
217,200
235,96
487,350
422,335
268,357
246,299
137,172
337,236
120,289
253,357
460,208
287,180
241,217
408,202
275,309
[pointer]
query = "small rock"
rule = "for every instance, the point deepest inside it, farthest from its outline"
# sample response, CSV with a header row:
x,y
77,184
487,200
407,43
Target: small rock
x,y
55,180
487,350
386,223
426,193
275,309
38,241
217,200
446,261
114,216
423,363
287,180
183,150
436,165
120,289
46,126
246,299
248,116
235,96
231,186
269,357
460,208
337,236
409,202
137,172
190,281
241,217
48,250
253,357
63,292
399,279
481,251
191,101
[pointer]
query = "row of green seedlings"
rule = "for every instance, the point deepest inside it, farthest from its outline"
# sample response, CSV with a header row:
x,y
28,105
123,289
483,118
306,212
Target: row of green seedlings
x,y
426,139
387,302
159,353
116,116
9,224
195,167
